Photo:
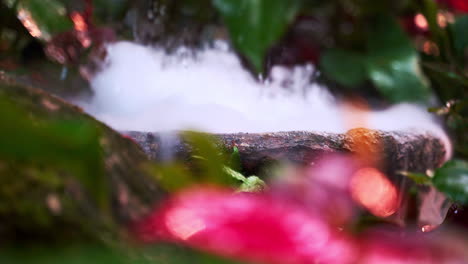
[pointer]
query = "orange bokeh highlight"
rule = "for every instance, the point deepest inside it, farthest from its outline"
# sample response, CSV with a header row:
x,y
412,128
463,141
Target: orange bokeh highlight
x,y
29,23
79,21
372,190
366,144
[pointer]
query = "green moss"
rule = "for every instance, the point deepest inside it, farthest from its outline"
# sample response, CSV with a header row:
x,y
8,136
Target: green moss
x,y
60,169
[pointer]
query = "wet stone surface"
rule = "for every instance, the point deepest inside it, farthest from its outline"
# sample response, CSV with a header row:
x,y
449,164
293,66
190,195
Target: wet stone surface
x,y
390,151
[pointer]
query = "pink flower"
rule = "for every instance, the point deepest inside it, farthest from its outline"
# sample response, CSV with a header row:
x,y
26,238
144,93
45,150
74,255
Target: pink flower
x,y
322,188
405,247
245,226
296,221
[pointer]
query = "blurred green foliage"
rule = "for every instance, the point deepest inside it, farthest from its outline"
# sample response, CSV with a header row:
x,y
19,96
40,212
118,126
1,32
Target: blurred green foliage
x,y
393,63
48,15
109,11
346,67
390,62
210,163
45,164
98,254
68,144
360,42
368,43
460,37
208,158
256,24
452,179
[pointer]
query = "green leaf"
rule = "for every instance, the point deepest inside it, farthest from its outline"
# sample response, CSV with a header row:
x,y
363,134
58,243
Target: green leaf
x,y
255,25
249,184
459,32
208,157
234,174
393,64
452,179
235,160
448,73
48,16
418,178
345,67
399,80
443,76
253,184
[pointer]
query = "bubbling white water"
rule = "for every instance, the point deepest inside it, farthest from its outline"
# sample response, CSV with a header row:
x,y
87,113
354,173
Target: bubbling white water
x,y
144,89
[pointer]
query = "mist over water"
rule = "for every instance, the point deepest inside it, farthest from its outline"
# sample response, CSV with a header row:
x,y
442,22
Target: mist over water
x,y
144,89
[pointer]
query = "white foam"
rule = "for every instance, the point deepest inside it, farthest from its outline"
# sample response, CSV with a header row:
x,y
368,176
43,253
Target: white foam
x,y
144,89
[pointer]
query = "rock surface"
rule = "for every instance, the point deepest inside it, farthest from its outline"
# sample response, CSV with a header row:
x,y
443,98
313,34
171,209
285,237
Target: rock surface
x,y
391,151
33,208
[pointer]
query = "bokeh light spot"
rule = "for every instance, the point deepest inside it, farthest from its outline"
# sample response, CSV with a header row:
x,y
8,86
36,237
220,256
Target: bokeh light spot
x,y
371,189
421,22
184,222
28,22
78,21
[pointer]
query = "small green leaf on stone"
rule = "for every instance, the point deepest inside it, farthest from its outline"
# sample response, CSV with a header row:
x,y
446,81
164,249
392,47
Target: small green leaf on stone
x,y
235,160
418,178
234,174
253,184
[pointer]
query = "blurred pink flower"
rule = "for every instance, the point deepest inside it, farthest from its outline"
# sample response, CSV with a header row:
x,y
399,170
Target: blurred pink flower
x,y
322,188
405,247
297,221
246,226
374,191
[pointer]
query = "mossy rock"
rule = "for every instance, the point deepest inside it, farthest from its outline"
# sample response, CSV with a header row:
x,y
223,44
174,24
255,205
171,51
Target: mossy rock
x,y
51,189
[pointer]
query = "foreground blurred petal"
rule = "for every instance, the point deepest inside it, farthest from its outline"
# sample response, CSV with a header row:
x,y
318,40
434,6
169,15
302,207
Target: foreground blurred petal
x,y
433,209
400,247
246,226
371,189
322,188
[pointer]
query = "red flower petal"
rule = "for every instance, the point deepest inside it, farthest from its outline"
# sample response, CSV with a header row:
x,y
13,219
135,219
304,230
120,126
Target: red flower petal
x,y
457,5
397,247
246,226
322,188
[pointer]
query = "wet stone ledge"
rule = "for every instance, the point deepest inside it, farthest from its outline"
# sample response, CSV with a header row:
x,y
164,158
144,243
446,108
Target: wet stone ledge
x,y
390,151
